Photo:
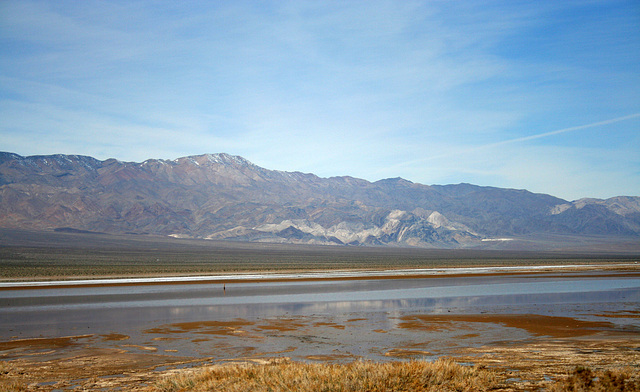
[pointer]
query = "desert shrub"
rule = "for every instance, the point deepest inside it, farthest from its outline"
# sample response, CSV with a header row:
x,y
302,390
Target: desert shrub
x,y
583,379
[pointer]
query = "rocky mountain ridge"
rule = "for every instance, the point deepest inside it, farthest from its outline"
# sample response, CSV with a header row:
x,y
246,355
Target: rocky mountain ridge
x,y
221,196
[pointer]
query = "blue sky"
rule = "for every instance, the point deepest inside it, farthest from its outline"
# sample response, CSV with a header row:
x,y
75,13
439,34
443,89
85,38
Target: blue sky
x,y
537,95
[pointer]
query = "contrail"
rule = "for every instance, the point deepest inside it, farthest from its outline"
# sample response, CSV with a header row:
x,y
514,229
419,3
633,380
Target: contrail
x,y
570,129
516,140
523,139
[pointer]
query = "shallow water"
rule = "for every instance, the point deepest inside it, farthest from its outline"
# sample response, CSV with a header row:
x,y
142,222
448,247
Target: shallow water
x,y
305,319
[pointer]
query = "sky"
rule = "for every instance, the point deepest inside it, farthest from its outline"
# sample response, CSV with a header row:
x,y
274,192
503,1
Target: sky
x,y
536,95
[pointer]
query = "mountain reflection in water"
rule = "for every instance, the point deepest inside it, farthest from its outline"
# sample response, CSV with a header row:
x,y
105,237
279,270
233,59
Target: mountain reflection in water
x,y
327,306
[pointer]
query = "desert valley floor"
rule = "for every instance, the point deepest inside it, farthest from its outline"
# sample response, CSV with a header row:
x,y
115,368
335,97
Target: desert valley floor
x,y
100,312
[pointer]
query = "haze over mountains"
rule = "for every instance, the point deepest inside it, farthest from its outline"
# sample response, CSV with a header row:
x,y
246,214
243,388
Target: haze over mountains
x,y
220,196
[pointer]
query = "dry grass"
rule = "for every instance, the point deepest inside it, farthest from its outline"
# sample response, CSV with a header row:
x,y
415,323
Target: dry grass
x,y
284,375
12,386
420,376
7,383
584,379
442,375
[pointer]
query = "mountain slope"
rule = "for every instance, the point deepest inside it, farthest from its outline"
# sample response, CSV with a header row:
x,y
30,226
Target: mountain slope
x,y
220,196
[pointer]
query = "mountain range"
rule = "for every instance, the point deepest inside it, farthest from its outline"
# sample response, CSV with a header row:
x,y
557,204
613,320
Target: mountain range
x,y
226,197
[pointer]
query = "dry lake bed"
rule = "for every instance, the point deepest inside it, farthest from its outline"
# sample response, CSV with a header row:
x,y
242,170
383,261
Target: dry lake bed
x,y
534,323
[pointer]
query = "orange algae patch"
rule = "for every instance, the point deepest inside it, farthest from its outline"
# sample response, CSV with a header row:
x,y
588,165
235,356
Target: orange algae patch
x,y
199,340
282,325
66,341
468,336
632,314
328,324
203,327
433,324
114,337
554,326
402,353
165,339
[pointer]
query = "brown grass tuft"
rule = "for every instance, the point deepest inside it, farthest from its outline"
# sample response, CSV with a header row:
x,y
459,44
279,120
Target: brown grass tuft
x,y
586,380
441,375
7,382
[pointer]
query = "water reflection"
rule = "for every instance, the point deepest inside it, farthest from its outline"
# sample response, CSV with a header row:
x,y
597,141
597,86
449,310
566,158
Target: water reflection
x,y
296,292
56,312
